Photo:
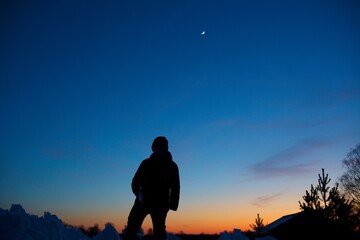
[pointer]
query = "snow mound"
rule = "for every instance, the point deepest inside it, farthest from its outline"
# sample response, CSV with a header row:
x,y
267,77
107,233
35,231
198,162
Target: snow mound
x,y
236,235
16,224
108,233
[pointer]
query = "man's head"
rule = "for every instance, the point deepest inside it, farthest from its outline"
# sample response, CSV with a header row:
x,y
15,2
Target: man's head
x,y
160,144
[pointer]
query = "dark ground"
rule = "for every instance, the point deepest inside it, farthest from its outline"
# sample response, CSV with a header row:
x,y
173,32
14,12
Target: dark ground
x,y
196,236
187,237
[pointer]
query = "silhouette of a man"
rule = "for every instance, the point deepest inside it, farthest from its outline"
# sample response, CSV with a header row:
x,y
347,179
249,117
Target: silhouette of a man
x,y
156,185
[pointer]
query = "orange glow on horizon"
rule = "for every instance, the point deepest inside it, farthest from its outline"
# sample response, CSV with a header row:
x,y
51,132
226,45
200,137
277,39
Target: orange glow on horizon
x,y
196,218
175,225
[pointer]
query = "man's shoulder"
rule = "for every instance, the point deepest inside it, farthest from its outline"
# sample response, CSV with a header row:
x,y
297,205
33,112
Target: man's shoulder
x,y
146,161
173,164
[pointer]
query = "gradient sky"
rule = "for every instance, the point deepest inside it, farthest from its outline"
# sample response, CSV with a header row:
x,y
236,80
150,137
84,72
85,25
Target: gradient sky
x,y
253,109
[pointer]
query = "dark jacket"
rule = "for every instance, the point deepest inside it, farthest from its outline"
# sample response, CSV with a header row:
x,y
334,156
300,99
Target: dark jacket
x,y
158,180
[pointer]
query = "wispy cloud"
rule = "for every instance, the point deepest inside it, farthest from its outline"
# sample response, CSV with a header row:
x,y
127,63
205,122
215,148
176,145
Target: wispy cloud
x,y
286,162
265,200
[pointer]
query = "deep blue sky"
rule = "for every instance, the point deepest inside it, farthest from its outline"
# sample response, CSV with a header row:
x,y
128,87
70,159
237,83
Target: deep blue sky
x,y
252,109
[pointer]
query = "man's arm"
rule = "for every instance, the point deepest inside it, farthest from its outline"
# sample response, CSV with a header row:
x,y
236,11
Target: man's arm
x,y
175,190
136,182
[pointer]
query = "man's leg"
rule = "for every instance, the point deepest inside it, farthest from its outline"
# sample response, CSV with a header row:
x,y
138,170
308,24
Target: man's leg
x,y
158,217
135,220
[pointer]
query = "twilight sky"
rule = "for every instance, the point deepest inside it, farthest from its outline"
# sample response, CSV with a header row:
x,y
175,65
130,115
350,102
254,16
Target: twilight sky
x,y
253,109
